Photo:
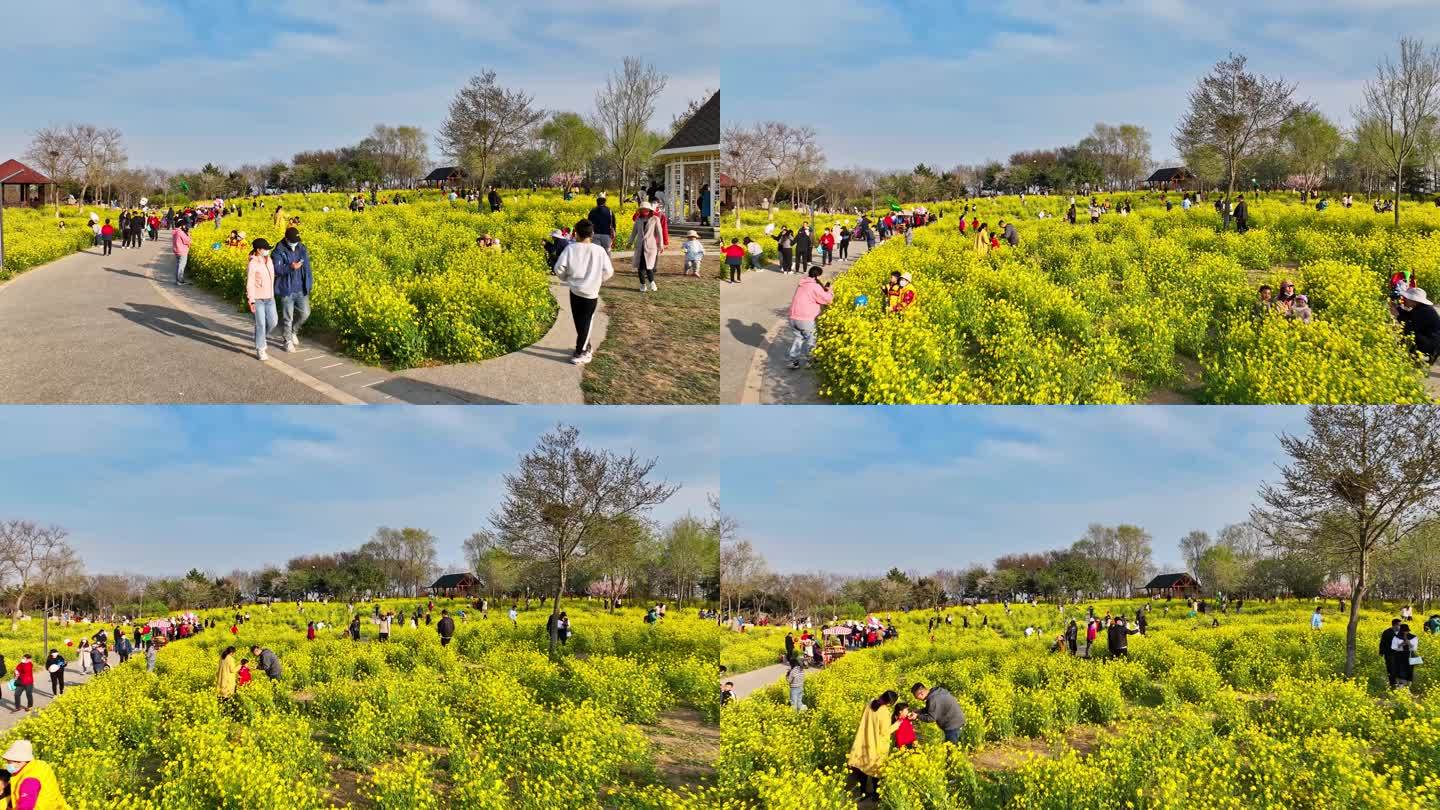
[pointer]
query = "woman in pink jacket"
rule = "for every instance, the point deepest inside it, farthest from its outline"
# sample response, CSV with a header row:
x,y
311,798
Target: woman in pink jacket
x,y
260,290
647,237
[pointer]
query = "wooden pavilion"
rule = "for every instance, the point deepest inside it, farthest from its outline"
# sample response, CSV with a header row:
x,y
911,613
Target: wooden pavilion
x,y
22,185
1173,586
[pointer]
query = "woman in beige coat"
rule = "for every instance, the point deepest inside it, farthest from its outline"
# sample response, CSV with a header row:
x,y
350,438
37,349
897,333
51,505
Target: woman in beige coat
x,y
647,238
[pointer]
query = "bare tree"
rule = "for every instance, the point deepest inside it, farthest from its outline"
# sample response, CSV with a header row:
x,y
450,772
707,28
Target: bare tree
x,y
1236,113
1398,108
561,501
28,552
1363,480
623,111
485,123
742,158
790,154
52,150
1193,546
407,556
491,563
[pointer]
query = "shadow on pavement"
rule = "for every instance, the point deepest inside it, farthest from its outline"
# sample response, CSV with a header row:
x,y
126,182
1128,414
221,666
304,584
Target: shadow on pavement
x,y
175,323
750,334
419,392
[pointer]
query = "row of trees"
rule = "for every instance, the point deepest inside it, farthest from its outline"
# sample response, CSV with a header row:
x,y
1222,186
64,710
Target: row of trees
x,y
496,133
573,519
1238,124
1355,512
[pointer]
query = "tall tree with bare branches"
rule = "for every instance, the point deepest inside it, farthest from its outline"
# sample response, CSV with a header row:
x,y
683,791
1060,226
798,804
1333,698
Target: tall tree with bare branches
x,y
1363,480
1399,107
485,123
562,502
1236,113
27,552
623,110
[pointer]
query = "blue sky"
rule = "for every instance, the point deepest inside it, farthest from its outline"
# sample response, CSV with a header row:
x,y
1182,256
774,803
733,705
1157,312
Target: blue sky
x,y
248,80
891,83
157,490
856,490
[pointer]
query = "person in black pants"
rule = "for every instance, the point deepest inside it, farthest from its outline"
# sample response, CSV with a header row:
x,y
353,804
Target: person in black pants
x,y
1386,654
107,235
804,245
844,242
55,665
785,243
1418,319
1242,215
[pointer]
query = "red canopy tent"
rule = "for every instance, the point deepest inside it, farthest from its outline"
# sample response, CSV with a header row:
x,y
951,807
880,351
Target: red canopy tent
x,y
23,178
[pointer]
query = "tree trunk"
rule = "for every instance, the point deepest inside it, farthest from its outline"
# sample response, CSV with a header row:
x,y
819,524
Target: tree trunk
x,y
624,170
1356,594
1399,177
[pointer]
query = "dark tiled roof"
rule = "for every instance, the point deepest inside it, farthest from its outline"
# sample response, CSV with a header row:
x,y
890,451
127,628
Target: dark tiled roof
x,y
703,128
454,580
444,173
1170,581
1172,173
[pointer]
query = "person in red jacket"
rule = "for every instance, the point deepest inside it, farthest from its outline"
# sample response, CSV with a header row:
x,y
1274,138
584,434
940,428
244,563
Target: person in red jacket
x,y
905,733
107,236
733,254
25,683
243,676
827,246
962,224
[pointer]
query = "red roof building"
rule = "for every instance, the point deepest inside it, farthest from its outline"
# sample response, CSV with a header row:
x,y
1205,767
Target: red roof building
x,y
29,184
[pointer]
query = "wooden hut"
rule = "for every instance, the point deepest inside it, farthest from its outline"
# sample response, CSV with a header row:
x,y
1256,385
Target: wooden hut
x,y
1176,586
455,585
22,185
1171,178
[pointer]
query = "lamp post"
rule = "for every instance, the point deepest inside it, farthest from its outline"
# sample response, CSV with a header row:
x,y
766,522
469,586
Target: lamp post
x,y
2,215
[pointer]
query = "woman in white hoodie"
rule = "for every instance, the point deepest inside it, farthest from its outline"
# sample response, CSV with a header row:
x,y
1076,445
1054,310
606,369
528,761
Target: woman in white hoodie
x,y
585,266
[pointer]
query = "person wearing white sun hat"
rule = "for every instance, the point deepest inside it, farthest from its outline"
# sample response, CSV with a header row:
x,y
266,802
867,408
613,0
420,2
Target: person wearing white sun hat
x,y
33,784
1418,319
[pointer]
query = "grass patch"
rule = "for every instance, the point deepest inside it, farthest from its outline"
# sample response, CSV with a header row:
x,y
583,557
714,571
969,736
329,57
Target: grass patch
x,y
661,347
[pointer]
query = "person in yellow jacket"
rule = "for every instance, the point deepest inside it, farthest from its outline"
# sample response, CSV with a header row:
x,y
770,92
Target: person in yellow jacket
x,y
279,216
33,784
982,240
229,673
872,743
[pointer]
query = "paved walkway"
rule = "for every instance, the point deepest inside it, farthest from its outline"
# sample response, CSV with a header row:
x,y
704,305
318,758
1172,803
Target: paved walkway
x,y
755,338
9,718
116,329
747,682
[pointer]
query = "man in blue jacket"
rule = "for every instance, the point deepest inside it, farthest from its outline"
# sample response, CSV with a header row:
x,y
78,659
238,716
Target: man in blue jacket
x,y
293,280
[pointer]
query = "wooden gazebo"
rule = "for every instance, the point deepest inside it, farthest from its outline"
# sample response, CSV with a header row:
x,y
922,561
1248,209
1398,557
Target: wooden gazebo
x,y
28,185
455,585
1170,178
445,177
1172,586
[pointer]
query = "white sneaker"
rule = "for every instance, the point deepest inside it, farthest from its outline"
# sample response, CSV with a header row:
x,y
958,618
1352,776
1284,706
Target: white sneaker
x,y
586,357
263,355
296,341
644,288
290,346
653,288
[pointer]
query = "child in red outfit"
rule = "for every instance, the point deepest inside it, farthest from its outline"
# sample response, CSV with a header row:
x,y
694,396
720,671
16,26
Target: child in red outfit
x,y
905,734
